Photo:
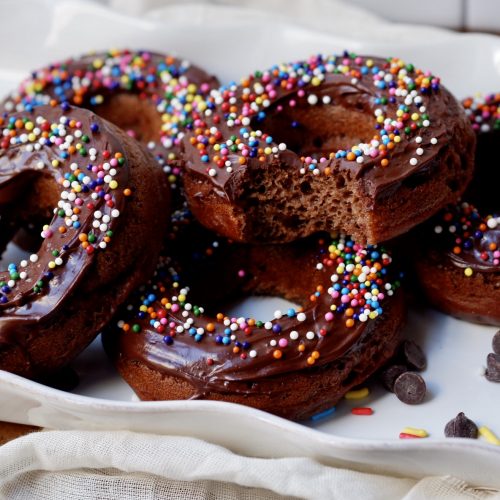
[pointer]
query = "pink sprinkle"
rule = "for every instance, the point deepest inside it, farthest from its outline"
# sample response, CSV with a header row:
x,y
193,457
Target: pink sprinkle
x,y
329,316
175,307
283,342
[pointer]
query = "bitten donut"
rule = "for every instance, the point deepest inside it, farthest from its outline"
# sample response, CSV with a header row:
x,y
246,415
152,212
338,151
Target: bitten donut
x,y
459,258
147,94
170,343
365,145
101,196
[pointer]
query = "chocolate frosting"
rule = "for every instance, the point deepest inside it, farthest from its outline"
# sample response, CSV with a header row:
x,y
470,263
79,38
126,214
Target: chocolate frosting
x,y
240,355
437,116
32,293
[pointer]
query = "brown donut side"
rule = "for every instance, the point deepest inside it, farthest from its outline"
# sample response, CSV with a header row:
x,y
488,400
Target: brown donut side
x,y
34,348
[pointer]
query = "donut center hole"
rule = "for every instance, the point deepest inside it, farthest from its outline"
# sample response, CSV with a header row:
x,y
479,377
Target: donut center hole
x,y
136,116
22,218
320,129
260,307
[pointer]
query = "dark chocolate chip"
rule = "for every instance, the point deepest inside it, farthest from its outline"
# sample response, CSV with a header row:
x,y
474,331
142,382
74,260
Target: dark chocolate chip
x,y
410,388
413,355
493,367
389,375
495,343
461,427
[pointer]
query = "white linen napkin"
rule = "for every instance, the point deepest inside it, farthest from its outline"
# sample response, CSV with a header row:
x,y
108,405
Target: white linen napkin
x,y
120,464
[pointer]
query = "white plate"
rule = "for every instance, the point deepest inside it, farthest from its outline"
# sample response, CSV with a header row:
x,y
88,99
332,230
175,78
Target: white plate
x,y
456,350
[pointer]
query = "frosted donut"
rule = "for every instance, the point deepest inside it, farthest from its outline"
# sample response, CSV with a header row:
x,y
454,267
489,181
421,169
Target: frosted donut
x,y
147,94
368,146
458,265
170,343
101,196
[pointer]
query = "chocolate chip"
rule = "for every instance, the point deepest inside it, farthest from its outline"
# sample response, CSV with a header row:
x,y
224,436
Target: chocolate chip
x,y
495,343
493,367
389,375
461,426
410,388
413,355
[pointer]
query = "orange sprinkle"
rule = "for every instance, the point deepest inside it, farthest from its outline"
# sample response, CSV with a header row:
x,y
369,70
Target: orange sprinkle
x,y
127,192
62,229
126,327
277,354
210,327
349,323
384,162
301,348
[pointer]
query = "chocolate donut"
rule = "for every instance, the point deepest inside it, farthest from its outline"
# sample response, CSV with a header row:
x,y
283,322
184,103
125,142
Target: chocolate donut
x,y
101,195
167,346
147,94
458,265
365,145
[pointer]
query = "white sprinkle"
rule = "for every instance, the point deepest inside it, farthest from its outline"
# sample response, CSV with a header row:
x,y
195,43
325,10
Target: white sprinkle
x,y
273,343
294,334
418,140
34,257
278,314
326,99
282,146
252,353
212,172
301,317
312,99
268,325
434,140
438,229
420,151
310,335
413,161
23,263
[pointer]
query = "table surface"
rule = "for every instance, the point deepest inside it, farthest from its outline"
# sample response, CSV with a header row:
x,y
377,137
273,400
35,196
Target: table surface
x,y
9,431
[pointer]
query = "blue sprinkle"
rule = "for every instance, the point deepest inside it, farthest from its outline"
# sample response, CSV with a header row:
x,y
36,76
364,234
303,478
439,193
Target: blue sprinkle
x,y
323,414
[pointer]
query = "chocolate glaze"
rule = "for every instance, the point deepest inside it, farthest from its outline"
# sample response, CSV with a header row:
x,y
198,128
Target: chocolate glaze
x,y
208,365
472,257
444,113
26,308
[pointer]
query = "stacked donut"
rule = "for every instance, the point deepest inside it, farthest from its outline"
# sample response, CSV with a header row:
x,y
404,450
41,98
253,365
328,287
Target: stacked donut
x,y
294,182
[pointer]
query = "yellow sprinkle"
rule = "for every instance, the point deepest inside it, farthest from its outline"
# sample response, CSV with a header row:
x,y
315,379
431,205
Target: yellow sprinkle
x,y
113,184
315,81
52,264
468,272
55,163
359,394
422,433
488,435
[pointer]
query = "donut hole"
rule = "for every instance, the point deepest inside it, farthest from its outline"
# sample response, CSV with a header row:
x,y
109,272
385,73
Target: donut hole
x,y
318,130
22,217
138,117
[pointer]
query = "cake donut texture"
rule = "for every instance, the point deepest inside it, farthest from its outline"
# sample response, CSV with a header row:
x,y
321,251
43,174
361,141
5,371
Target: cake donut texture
x,y
368,146
147,94
459,265
101,196
302,361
